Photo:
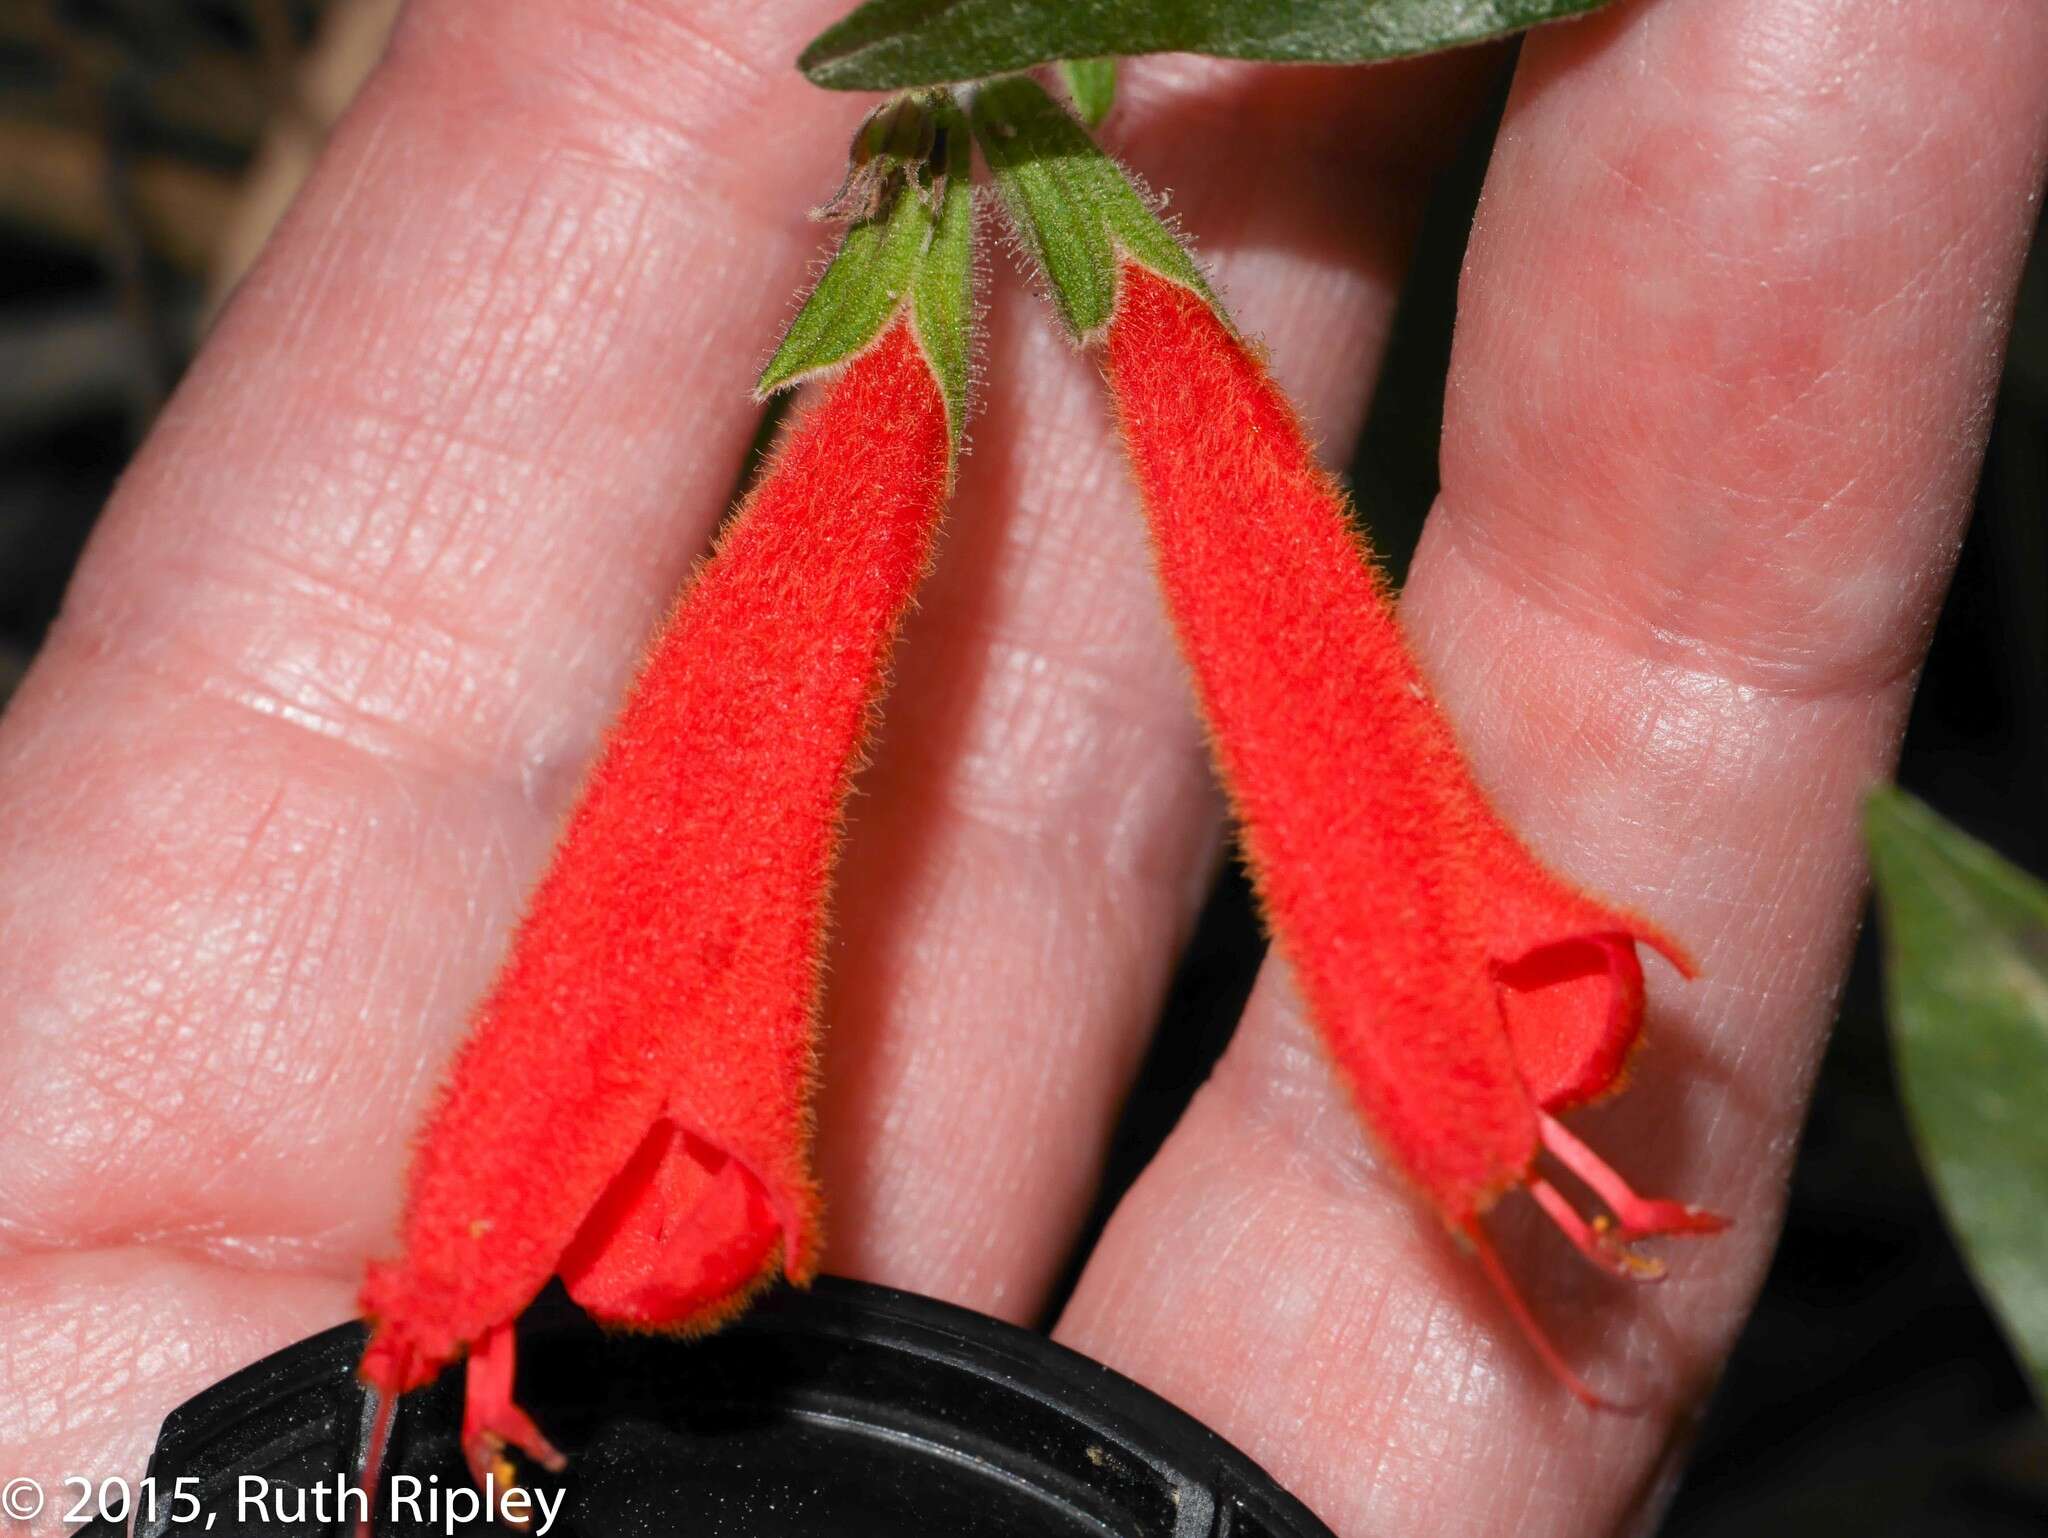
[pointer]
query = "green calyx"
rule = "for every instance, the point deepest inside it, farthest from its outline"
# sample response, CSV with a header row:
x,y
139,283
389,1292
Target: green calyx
x,y
1074,209
909,192
942,295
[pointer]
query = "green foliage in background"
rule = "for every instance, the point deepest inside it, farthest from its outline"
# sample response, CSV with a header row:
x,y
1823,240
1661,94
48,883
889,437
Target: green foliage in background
x,y
1966,976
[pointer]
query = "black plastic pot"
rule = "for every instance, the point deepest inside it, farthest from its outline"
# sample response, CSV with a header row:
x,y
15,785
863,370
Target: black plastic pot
x,y
850,1411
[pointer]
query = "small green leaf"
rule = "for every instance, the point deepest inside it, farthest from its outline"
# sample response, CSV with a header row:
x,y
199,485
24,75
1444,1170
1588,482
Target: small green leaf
x,y
859,293
887,44
1966,946
1072,206
1091,83
943,292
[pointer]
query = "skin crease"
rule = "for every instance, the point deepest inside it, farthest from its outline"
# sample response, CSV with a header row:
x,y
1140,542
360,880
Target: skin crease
x,y
271,797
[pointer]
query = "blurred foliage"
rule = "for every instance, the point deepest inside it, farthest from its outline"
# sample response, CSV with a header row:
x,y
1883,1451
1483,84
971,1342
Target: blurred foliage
x,y
1966,962
1872,1395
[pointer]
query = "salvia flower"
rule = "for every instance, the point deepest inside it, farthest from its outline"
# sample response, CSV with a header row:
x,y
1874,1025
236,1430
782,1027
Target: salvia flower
x,y
1466,994
631,1109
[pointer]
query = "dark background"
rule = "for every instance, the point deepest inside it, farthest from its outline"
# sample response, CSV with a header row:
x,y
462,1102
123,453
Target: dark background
x,y
1871,1396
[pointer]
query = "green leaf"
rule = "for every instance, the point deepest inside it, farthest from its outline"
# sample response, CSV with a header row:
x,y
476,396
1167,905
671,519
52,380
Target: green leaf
x,y
856,297
942,305
1091,83
1072,206
1967,979
888,44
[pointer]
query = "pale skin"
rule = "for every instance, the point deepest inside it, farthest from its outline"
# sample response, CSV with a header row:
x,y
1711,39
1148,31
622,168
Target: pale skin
x,y
270,798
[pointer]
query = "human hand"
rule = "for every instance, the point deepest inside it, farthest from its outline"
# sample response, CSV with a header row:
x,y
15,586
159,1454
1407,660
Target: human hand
x,y
275,790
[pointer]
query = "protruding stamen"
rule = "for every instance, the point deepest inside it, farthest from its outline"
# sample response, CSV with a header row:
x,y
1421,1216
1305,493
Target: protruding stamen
x,y
492,1421
1596,1240
1637,1217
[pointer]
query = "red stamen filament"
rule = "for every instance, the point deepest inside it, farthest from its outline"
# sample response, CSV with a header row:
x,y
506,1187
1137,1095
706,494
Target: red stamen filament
x,y
1639,1217
1534,1333
1594,1240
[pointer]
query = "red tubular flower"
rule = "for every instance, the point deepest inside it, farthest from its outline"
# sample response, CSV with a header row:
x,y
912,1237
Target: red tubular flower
x,y
1466,994
631,1108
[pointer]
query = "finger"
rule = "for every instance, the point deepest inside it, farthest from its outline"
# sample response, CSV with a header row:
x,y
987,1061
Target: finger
x,y
350,626
1029,847
273,792
97,1349
1727,337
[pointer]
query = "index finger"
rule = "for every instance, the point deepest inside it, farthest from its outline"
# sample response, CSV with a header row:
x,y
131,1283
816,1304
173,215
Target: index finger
x,y
342,642
338,653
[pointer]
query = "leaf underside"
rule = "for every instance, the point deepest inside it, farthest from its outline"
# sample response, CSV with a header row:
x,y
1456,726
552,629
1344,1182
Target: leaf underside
x,y
1966,963
889,44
